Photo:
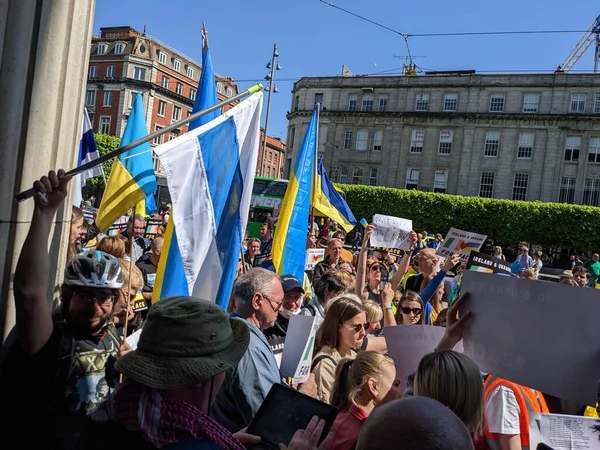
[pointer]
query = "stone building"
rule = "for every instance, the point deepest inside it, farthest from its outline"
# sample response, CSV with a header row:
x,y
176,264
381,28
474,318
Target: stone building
x,y
514,136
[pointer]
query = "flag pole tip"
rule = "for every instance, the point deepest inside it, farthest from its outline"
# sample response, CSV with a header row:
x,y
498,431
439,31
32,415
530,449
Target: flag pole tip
x,y
256,88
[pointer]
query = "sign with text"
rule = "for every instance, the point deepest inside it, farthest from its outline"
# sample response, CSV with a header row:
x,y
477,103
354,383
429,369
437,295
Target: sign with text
x,y
480,262
390,232
313,257
139,303
277,345
562,432
460,242
299,345
153,227
118,227
521,331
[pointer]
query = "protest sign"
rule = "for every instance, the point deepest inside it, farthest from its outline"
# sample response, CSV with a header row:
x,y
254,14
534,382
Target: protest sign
x,y
480,262
118,227
539,334
298,348
89,214
277,345
390,232
139,303
133,339
313,257
153,227
460,242
387,251
561,432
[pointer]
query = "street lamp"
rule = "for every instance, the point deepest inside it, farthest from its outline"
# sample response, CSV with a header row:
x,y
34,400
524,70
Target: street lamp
x,y
272,65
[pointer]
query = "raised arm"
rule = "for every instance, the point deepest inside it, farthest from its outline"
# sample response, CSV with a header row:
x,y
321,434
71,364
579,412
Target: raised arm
x,y
361,266
387,295
403,266
34,320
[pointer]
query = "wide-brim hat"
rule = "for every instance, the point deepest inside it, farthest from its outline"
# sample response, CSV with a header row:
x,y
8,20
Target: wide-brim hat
x,y
185,341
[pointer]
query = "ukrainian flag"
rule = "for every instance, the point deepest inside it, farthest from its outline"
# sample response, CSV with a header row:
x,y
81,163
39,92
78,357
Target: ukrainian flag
x,y
132,176
329,203
289,242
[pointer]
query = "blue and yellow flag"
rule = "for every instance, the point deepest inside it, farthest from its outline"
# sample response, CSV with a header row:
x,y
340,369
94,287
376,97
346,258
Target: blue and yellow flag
x,y
329,203
289,242
132,176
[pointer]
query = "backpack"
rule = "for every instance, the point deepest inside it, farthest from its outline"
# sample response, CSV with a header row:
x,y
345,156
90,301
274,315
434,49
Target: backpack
x,y
320,358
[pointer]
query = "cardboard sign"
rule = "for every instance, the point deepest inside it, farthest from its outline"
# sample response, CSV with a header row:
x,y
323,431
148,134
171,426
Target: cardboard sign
x,y
299,345
139,303
277,346
460,242
539,334
390,232
313,257
480,262
563,432
153,227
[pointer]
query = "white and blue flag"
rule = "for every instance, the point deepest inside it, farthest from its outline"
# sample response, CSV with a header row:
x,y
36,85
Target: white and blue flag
x,y
88,151
210,173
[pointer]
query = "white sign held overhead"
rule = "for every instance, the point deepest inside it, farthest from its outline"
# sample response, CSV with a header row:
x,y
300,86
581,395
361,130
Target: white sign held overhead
x,y
390,232
460,242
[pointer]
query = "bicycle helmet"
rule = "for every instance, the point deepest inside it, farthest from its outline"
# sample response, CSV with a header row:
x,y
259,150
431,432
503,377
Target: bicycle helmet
x,y
94,269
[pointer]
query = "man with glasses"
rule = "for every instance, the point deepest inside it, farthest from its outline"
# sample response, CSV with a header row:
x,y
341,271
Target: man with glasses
x,y
57,369
136,226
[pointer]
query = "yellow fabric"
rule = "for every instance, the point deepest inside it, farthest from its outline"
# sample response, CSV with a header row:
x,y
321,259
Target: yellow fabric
x,y
120,195
324,208
140,208
411,273
591,411
283,222
160,270
307,287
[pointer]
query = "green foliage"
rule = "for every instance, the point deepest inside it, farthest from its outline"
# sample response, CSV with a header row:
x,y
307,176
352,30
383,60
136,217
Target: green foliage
x,y
549,225
106,144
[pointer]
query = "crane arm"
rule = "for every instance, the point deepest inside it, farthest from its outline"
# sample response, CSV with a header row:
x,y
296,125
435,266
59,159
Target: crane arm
x,y
588,39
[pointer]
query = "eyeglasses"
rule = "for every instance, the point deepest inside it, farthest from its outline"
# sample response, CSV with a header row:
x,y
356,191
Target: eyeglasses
x,y
279,304
415,311
356,328
89,298
376,268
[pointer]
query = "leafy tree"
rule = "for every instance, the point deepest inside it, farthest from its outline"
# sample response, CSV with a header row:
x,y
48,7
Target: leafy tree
x,y
105,144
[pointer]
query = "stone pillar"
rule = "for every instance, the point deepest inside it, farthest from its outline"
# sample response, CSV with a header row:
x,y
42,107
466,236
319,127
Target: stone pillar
x,y
44,46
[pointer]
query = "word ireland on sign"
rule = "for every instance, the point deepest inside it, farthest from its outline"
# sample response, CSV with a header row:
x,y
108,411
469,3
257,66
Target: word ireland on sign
x,y
480,262
460,242
390,232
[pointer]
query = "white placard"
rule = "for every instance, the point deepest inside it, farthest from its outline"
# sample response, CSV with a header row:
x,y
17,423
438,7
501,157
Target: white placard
x,y
298,348
569,432
134,338
313,257
460,242
390,232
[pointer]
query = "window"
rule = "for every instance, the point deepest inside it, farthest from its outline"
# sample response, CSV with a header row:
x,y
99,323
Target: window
x,y
107,98
348,140
90,98
133,96
416,141
450,102
486,185
119,47
228,91
373,176
412,178
164,82
440,181
176,113
296,102
292,136
520,186
531,103
139,73
160,139
591,192
179,88
352,102
104,125
343,174
270,157
572,147
275,157
525,148
566,194
192,94
594,150
177,65
93,71
422,102
219,88
190,72
269,172
162,108
578,103
497,103
492,144
597,103
358,175
377,140
334,174
173,135
319,99
362,138
367,102
101,50
445,147
162,57
110,71
383,100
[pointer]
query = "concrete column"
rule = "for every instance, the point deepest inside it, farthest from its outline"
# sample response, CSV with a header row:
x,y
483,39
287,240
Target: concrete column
x,y
44,47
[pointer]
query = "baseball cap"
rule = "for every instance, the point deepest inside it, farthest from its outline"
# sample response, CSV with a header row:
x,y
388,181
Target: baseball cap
x,y
290,282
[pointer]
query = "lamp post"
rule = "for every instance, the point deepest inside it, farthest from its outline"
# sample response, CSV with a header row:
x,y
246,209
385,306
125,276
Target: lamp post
x,y
271,89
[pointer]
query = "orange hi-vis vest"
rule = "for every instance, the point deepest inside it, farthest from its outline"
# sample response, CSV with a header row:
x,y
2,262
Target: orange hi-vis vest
x,y
529,402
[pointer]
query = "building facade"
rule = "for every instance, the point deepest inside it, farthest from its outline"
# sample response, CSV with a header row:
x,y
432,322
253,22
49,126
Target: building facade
x,y
274,157
513,136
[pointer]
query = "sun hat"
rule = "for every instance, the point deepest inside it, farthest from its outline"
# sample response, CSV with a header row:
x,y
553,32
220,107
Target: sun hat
x,y
185,341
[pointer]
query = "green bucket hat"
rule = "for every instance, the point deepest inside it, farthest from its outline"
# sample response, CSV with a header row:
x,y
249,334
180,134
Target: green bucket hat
x,y
185,341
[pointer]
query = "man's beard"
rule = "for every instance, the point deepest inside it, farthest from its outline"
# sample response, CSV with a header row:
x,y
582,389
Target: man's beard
x,y
81,325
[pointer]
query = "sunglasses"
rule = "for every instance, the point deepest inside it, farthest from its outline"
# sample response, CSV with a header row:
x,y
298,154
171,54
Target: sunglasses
x,y
356,328
376,268
415,311
88,298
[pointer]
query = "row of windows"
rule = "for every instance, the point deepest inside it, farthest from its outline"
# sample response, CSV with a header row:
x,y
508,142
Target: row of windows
x,y
110,71
175,64
176,110
519,190
497,103
591,191
270,172
90,98
360,175
102,48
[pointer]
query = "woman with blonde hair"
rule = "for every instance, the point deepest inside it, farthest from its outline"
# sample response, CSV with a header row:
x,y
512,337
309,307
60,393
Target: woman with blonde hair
x,y
122,309
113,245
360,386
374,317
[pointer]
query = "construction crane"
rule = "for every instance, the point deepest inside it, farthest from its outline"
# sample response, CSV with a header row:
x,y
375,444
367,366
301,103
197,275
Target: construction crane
x,y
591,36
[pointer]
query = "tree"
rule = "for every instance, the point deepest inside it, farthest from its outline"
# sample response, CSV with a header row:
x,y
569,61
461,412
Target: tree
x,y
105,144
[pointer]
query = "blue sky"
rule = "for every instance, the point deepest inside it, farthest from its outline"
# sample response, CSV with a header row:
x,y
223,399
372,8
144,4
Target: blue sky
x,y
315,39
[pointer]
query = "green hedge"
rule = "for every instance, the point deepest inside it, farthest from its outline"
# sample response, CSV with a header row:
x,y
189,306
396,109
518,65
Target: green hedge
x,y
549,225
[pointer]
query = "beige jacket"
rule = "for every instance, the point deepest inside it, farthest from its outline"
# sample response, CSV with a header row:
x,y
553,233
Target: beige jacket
x,y
325,371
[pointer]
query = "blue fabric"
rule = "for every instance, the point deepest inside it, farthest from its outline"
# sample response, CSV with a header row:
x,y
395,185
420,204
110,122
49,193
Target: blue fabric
x,y
336,200
174,282
151,207
207,92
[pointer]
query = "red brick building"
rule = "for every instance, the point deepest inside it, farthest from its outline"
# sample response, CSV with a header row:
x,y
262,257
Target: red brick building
x,y
272,166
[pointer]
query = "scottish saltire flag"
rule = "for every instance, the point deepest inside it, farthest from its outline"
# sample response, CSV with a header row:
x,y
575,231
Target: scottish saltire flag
x,y
175,283
132,176
88,151
329,202
210,174
289,242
